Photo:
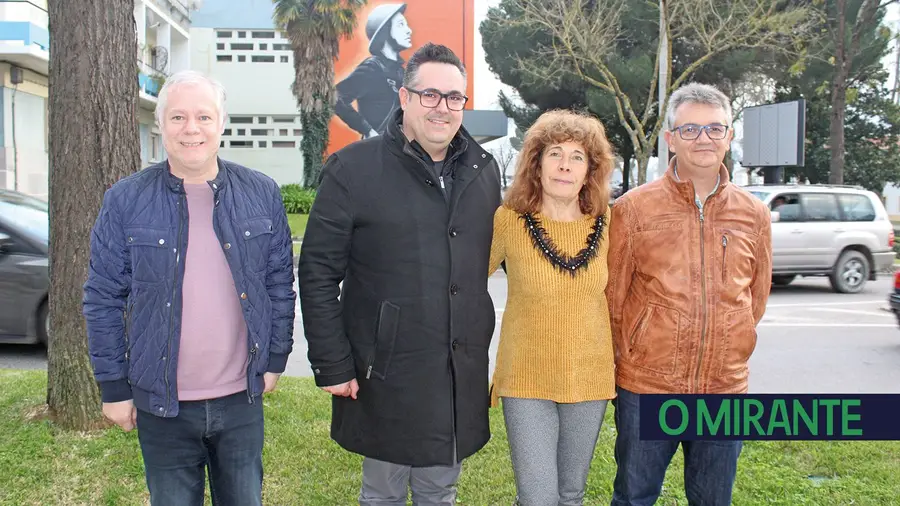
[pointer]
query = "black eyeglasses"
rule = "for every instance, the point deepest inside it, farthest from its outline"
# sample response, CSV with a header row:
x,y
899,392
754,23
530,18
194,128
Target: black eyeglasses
x,y
691,131
431,98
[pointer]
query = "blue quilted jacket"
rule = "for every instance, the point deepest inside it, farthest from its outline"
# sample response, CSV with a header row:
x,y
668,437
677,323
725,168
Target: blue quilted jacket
x,y
132,297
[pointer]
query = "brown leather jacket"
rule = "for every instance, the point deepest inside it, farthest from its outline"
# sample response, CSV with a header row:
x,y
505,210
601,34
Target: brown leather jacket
x,y
686,290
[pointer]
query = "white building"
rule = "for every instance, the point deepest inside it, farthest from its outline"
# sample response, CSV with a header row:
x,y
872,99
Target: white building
x,y
236,43
24,62
164,47
163,33
255,64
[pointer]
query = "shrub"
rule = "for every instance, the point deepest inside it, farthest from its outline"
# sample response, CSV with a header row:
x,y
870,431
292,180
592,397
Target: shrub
x,y
297,200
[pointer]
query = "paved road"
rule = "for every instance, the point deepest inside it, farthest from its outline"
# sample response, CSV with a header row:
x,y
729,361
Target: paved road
x,y
810,340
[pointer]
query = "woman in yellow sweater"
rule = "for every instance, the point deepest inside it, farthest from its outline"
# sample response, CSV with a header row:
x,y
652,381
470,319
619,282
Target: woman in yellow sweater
x,y
555,368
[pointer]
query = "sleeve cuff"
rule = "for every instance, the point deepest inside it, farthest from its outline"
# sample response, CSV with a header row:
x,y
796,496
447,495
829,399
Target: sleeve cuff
x,y
115,391
277,362
334,374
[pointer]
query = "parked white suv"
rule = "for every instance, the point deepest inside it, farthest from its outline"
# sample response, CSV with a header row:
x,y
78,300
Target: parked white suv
x,y
841,232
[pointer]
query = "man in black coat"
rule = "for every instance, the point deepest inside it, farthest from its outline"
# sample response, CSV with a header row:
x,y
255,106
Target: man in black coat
x,y
405,220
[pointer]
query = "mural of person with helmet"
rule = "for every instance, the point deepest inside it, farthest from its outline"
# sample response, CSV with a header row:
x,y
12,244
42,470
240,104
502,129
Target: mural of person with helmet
x,y
375,83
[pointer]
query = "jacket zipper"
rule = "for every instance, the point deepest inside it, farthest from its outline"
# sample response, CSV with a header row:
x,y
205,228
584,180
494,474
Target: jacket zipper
x,y
702,305
724,252
182,206
250,358
128,312
645,319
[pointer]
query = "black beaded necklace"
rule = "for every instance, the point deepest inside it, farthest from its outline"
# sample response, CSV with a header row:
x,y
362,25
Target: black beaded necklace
x,y
560,260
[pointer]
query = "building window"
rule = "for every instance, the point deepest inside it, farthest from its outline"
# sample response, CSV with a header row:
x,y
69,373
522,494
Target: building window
x,y
223,34
242,119
223,57
263,59
220,46
242,35
242,144
227,131
298,132
284,59
281,47
241,47
260,131
263,47
282,119
262,119
242,58
283,131
283,144
222,144
241,131
262,35
262,144
154,147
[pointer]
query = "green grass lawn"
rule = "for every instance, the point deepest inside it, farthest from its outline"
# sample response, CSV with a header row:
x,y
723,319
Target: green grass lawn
x,y
40,465
297,222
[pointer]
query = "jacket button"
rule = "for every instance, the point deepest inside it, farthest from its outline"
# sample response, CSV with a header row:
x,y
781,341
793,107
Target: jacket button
x,y
247,233
318,371
429,182
454,289
227,245
162,241
452,232
455,344
244,295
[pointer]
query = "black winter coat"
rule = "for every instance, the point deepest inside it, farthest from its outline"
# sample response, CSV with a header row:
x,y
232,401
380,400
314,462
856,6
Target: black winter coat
x,y
414,320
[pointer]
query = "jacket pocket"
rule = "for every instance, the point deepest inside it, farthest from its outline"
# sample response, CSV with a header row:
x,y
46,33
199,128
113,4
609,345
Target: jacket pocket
x,y
385,336
739,335
257,234
152,253
653,343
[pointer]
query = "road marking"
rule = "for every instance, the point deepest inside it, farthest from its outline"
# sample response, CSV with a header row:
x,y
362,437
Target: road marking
x,y
845,325
811,304
851,311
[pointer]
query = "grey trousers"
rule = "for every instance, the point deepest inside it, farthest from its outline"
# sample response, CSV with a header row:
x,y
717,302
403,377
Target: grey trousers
x,y
384,483
551,446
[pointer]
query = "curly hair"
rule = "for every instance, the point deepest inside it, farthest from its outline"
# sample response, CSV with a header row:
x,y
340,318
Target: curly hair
x,y
556,127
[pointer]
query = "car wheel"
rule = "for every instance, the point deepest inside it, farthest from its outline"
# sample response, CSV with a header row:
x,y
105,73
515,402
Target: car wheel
x,y
850,272
783,279
43,323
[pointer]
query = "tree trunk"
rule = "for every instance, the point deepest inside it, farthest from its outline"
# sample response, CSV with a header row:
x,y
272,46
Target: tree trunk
x,y
838,97
314,145
93,142
626,172
643,160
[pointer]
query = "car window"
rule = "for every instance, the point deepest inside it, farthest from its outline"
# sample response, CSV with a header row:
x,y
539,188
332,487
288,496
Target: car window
x,y
30,219
788,206
760,194
821,207
857,208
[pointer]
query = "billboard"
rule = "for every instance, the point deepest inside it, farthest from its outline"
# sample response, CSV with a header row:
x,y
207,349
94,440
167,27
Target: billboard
x,y
774,135
370,64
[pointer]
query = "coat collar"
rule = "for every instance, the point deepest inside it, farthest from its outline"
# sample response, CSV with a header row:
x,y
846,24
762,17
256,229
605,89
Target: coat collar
x,y
176,184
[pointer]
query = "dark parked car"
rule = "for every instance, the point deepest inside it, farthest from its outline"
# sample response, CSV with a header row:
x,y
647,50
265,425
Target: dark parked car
x,y
24,268
895,296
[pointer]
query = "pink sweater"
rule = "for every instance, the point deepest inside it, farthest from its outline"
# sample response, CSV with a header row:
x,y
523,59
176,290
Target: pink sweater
x,y
212,359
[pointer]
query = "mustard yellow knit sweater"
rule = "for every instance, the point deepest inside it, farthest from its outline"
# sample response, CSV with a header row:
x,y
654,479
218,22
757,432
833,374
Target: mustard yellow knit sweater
x,y
555,339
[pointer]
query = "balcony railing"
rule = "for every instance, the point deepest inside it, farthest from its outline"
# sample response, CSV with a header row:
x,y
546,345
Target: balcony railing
x,y
150,80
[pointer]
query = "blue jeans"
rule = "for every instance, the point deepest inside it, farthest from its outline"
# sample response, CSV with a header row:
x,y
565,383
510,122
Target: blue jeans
x,y
709,466
223,437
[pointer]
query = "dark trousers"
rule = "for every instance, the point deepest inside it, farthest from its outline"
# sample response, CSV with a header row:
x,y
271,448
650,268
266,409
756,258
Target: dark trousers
x,y
709,466
222,437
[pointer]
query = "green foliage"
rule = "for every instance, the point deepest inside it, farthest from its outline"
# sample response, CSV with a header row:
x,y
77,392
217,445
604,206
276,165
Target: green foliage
x,y
872,121
297,199
314,144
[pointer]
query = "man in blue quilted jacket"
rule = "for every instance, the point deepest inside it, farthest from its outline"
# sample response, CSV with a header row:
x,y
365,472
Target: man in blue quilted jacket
x,y
189,305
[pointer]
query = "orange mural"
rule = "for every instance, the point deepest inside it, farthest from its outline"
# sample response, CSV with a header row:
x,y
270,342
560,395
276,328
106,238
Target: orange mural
x,y
370,65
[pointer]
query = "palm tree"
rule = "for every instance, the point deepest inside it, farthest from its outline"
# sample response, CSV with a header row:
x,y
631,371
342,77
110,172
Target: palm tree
x,y
314,28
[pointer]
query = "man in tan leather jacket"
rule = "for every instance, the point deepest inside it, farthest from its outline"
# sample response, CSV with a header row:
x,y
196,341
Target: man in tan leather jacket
x,y
690,272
